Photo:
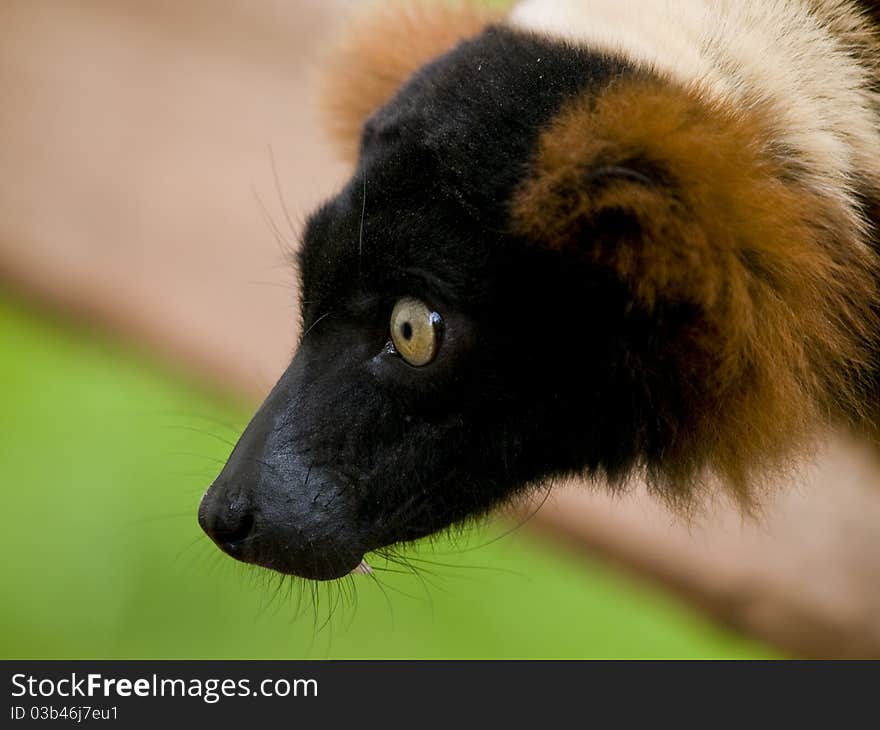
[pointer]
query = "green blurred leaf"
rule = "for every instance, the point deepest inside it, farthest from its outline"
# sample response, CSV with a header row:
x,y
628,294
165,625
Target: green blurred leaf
x,y
103,459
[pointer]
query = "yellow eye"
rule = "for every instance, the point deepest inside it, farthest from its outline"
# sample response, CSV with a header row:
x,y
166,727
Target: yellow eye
x,y
415,331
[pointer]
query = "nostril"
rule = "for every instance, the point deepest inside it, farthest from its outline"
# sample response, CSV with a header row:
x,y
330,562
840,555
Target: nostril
x,y
227,524
232,533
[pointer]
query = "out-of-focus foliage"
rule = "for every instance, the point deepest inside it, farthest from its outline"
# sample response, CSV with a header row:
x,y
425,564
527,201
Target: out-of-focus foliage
x,y
103,458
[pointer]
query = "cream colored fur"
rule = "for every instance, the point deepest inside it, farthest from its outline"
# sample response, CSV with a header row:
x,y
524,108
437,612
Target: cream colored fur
x,y
793,54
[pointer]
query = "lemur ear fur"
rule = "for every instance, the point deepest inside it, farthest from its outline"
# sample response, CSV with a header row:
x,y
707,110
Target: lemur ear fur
x,y
381,47
683,202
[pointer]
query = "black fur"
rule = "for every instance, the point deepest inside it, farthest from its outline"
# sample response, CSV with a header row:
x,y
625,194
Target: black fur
x,y
355,449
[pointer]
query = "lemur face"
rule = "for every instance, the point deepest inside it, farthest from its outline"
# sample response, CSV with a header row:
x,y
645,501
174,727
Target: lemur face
x,y
547,262
435,373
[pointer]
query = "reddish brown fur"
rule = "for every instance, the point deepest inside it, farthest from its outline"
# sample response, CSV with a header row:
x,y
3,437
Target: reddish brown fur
x,y
378,53
784,288
787,290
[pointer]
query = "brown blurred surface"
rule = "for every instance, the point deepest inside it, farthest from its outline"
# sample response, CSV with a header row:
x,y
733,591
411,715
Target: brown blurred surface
x,y
135,143
134,139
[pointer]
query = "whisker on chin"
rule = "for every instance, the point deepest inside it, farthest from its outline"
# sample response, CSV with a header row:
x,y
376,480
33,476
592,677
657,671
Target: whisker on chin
x,y
285,247
315,323
280,193
361,230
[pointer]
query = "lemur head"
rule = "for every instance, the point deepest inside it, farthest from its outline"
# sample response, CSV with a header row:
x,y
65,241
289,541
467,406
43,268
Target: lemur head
x,y
547,262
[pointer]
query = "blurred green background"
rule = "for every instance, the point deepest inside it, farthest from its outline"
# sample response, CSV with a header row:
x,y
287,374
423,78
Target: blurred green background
x,y
103,458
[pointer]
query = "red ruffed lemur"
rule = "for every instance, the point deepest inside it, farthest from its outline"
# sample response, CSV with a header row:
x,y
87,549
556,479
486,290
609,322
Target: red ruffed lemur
x,y
583,237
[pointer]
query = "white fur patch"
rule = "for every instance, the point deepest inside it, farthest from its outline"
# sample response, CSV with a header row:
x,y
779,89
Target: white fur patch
x,y
743,52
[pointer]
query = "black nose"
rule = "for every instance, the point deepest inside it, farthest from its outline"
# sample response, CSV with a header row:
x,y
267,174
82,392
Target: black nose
x,y
229,523
273,507
278,533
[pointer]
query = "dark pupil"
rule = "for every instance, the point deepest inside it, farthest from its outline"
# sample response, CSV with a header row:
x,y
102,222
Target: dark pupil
x,y
406,330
